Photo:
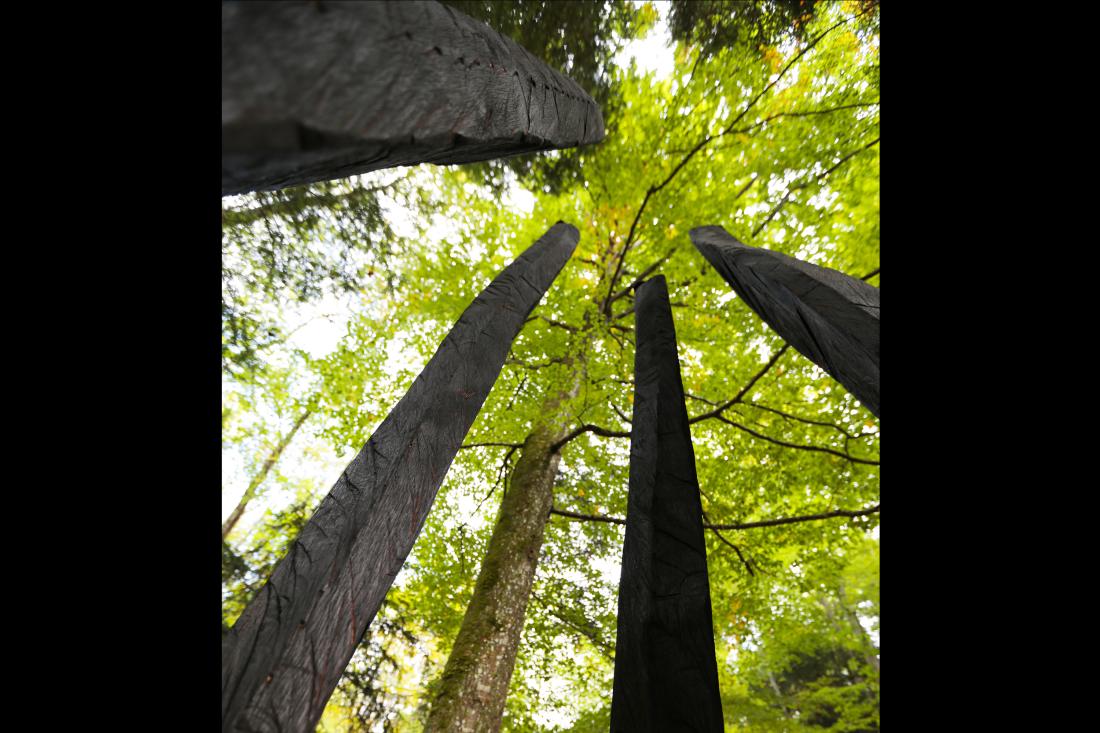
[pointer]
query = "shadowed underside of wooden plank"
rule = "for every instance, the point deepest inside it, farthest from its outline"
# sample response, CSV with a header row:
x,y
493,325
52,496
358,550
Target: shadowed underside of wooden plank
x,y
313,91
666,676
284,656
830,317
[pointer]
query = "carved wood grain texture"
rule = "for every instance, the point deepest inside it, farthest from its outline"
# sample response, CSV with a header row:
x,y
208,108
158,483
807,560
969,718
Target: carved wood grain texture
x,y
666,676
284,656
313,91
830,317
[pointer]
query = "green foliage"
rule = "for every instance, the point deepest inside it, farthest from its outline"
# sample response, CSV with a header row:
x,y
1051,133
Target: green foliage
x,y
295,245
713,25
717,24
780,148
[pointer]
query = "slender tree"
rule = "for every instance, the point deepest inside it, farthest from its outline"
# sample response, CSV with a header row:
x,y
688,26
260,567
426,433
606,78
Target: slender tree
x,y
256,481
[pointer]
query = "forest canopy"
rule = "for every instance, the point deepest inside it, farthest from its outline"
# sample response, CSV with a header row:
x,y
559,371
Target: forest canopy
x,y
336,294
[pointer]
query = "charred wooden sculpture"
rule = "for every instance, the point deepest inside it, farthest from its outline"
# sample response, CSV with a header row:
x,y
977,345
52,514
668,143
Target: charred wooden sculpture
x,y
283,658
666,676
830,317
318,90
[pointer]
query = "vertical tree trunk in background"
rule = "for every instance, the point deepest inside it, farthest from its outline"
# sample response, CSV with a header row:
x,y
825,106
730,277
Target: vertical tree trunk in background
x,y
666,676
474,687
869,650
284,656
830,317
258,479
313,91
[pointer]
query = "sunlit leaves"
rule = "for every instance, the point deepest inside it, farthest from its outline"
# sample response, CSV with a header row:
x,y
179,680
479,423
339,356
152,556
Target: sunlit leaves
x,y
794,169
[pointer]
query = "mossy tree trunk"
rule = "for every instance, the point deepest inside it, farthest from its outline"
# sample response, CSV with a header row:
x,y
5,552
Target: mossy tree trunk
x,y
475,681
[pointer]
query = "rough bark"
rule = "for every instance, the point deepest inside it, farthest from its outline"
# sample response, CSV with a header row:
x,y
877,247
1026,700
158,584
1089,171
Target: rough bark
x,y
258,479
830,317
283,658
474,687
314,91
666,676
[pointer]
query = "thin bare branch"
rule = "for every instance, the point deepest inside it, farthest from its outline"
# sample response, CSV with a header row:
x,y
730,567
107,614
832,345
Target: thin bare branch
x,y
488,445
588,429
745,390
808,421
794,520
737,526
796,446
735,548
787,196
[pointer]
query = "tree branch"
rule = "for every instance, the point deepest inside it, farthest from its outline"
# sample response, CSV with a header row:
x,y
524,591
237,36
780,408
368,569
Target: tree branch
x,y
641,277
807,113
787,68
787,196
618,412
736,526
557,324
503,474
587,517
486,445
794,520
699,146
587,429
745,390
808,421
735,548
814,448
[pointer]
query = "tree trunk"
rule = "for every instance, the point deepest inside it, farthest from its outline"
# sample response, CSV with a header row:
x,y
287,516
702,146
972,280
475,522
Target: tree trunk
x,y
666,675
869,651
475,681
314,91
283,658
830,317
258,479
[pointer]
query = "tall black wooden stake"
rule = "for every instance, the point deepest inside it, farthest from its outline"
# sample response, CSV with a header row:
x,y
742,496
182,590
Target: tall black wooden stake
x,y
666,676
318,90
283,658
830,317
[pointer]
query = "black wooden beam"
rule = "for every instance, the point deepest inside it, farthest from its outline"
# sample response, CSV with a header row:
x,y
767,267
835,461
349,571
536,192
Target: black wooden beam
x,y
313,91
830,317
283,658
666,676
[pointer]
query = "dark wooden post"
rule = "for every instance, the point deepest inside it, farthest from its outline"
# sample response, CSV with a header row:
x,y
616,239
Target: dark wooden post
x,y
318,90
830,317
666,676
283,658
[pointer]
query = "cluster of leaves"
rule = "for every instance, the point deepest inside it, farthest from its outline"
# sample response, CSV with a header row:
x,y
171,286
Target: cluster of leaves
x,y
713,25
295,245
779,147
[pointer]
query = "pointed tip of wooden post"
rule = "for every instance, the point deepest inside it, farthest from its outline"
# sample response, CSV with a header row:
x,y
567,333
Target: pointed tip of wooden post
x,y
566,228
651,299
706,240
